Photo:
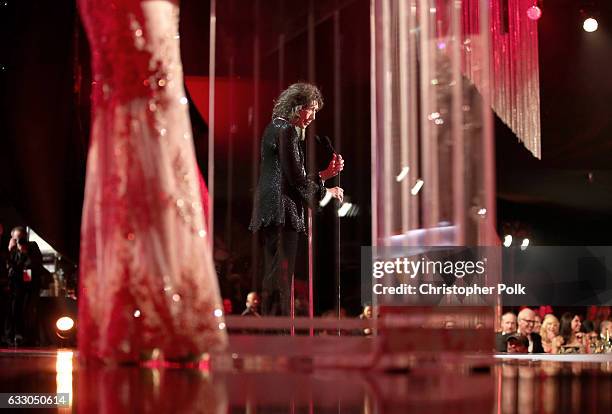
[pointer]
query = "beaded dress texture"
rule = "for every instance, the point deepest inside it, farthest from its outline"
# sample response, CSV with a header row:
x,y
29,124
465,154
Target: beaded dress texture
x,y
147,277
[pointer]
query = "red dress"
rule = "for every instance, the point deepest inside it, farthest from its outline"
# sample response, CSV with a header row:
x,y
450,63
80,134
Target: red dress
x,y
147,278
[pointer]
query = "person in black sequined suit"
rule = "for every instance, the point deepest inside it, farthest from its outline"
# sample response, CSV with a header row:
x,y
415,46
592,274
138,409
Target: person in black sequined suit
x,y
285,191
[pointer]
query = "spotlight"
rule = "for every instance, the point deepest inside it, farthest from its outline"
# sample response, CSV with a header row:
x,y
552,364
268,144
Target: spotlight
x,y
534,12
417,187
507,240
402,174
64,323
590,25
525,244
344,209
65,332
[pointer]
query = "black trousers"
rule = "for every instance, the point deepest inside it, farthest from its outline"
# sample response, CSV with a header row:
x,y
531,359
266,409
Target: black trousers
x,y
17,313
280,249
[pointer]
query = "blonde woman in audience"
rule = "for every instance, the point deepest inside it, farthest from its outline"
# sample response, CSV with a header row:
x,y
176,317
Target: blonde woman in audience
x,y
551,341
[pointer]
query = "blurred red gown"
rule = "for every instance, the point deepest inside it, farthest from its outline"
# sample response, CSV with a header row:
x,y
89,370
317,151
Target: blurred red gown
x,y
147,278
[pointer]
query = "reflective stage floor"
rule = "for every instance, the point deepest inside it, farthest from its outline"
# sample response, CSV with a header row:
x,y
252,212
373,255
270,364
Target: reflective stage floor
x,y
266,385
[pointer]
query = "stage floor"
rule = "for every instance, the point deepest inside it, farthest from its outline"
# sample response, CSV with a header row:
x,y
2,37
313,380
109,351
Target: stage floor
x,y
499,386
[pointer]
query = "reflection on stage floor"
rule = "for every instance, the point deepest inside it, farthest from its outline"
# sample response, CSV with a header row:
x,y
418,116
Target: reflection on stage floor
x,y
224,386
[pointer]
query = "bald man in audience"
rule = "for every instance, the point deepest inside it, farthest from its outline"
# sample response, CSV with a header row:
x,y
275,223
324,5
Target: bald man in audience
x,y
252,305
526,324
508,326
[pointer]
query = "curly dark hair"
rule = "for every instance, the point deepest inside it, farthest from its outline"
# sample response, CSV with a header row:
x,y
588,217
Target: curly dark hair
x,y
292,99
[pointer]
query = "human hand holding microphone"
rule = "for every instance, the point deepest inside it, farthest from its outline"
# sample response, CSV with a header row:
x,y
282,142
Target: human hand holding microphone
x,y
336,165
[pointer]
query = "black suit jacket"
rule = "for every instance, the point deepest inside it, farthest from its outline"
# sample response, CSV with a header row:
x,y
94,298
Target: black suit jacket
x,y
537,344
501,342
18,262
284,189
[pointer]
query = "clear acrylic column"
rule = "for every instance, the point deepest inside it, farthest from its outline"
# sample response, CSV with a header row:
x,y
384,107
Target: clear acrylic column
x,y
432,148
432,143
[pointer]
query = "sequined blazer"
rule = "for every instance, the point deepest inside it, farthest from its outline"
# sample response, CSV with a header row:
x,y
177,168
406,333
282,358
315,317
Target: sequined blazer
x,y
284,190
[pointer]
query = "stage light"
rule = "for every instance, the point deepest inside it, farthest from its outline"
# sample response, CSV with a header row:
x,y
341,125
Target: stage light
x,y
417,187
525,244
344,209
403,174
482,212
534,12
590,25
64,332
507,240
64,323
433,115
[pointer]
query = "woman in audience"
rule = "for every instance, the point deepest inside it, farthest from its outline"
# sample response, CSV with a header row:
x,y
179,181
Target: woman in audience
x,y
571,331
551,341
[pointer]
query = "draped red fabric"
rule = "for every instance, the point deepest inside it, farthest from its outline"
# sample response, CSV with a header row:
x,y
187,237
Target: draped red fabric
x,y
147,276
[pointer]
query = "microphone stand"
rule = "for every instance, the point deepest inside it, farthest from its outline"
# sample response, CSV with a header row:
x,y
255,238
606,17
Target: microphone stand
x,y
329,145
338,256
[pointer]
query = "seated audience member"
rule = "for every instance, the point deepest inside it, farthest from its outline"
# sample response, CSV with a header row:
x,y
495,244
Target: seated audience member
x,y
588,326
605,329
252,305
571,331
228,308
517,344
366,314
591,336
526,322
508,326
551,341
538,323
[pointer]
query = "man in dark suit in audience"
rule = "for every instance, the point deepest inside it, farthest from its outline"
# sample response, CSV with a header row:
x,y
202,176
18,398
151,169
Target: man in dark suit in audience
x,y
526,323
508,326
